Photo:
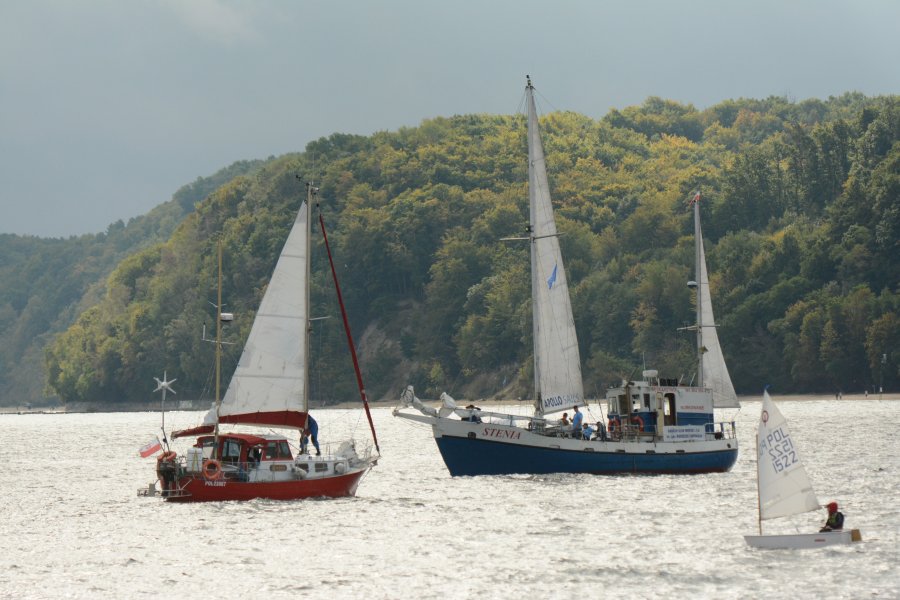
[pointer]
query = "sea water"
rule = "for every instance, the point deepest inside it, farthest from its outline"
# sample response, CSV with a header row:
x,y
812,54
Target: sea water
x,y
73,526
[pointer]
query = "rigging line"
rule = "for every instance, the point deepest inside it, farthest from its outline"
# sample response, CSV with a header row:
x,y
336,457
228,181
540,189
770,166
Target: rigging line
x,y
521,105
588,411
350,344
355,426
545,99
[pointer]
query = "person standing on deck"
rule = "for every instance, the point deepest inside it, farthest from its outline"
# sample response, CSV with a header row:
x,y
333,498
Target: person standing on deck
x,y
576,423
312,430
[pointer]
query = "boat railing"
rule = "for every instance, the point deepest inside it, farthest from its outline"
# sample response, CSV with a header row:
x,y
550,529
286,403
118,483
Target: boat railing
x,y
537,425
631,432
365,450
240,470
627,432
554,430
496,418
723,430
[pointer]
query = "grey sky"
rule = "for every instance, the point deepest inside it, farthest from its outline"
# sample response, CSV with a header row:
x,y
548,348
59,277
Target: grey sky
x,y
107,107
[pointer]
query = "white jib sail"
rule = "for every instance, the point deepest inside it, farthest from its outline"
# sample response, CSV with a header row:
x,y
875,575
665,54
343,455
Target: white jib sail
x,y
784,487
713,371
557,364
271,374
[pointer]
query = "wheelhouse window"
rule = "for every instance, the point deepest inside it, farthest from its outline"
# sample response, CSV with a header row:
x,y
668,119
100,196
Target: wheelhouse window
x,y
207,447
271,451
278,450
284,450
231,451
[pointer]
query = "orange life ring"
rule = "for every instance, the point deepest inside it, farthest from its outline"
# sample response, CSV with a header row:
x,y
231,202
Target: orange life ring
x,y
613,424
640,422
167,455
212,470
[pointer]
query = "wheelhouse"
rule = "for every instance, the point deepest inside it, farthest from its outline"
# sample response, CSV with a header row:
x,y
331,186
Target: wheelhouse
x,y
235,448
660,408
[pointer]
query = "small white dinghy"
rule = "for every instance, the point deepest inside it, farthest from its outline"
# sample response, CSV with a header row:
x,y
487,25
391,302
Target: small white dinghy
x,y
784,487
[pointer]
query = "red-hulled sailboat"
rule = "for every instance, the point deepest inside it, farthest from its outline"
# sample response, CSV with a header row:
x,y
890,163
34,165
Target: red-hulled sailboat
x,y
269,390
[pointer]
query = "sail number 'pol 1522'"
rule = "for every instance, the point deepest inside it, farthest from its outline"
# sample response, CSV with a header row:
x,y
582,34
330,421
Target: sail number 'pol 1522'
x,y
780,450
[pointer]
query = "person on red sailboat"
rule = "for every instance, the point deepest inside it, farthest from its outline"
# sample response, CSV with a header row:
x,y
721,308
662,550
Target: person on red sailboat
x,y
311,431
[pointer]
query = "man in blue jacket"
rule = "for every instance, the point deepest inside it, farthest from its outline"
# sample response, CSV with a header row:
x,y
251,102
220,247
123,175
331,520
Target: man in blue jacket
x,y
311,431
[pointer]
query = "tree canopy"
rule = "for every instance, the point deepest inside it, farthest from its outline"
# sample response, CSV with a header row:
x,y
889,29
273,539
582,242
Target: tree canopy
x,y
801,213
48,283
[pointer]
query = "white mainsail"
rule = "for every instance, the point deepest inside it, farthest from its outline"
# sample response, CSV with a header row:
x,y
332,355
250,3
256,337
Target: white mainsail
x,y
713,372
270,384
557,364
784,487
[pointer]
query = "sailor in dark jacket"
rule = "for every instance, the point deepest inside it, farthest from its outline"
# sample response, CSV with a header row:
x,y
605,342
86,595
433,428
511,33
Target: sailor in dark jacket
x,y
835,521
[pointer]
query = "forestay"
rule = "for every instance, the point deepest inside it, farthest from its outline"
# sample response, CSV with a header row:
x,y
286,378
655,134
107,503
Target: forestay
x,y
713,371
557,364
784,487
269,386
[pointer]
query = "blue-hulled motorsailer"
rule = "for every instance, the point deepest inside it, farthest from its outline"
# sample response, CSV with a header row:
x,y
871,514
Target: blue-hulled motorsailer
x,y
654,425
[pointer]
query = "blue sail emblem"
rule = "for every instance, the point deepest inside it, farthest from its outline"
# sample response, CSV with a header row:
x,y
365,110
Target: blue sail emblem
x,y
552,279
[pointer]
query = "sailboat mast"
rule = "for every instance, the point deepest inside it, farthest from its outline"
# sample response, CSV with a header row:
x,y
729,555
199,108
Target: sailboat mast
x,y
311,191
698,267
162,411
218,344
532,219
557,365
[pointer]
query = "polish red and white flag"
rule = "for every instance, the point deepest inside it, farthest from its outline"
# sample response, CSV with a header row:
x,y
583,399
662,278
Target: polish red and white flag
x,y
150,448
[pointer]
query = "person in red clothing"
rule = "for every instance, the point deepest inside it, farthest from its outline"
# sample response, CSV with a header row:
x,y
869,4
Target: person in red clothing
x,y
835,521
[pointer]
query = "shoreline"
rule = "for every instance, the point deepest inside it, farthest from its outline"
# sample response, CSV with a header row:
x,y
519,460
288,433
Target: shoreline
x,y
887,396
154,407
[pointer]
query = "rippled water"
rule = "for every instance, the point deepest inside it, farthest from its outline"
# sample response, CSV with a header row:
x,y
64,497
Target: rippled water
x,y
73,526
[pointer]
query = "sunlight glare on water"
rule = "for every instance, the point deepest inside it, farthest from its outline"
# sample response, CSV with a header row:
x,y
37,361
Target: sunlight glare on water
x,y
74,527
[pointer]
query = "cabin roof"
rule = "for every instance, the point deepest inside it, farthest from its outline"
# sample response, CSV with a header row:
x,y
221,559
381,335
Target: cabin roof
x,y
245,438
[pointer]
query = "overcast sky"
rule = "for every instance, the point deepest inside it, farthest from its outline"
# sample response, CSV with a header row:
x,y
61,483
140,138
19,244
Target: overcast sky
x,y
108,107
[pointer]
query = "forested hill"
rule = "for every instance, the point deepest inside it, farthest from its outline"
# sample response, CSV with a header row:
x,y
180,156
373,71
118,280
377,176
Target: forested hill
x,y
45,283
801,213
